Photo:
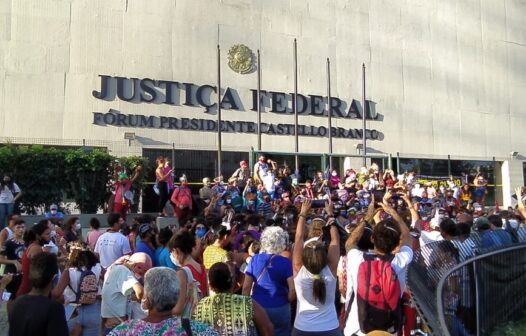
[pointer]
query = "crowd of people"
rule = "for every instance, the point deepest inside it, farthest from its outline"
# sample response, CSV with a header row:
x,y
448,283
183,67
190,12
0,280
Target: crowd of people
x,y
259,254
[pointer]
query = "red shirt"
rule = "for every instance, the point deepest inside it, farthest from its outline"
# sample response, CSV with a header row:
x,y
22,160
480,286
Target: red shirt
x,y
182,196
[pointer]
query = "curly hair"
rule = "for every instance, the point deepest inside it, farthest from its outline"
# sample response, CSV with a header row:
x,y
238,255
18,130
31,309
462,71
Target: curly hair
x,y
274,240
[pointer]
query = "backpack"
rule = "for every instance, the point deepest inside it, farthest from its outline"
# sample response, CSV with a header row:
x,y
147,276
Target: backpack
x,y
378,295
87,289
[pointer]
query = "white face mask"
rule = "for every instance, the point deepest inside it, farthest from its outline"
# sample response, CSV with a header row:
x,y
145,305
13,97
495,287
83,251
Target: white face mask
x,y
53,212
514,223
53,233
78,226
174,260
143,308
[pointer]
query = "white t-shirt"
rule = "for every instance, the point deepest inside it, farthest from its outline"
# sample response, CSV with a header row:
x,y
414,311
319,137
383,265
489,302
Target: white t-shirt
x,y
74,278
354,259
110,247
311,315
6,195
118,286
429,237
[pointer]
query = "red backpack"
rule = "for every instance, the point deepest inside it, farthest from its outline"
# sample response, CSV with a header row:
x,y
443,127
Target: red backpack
x,y
378,294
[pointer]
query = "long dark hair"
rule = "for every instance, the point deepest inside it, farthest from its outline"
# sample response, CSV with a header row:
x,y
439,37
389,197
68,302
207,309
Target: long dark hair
x,y
314,259
36,231
9,184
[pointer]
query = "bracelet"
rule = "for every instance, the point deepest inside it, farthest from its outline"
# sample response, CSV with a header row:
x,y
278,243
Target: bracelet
x,y
302,215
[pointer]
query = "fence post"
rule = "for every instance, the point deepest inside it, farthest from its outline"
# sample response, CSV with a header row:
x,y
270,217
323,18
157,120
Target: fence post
x,y
449,165
477,299
398,163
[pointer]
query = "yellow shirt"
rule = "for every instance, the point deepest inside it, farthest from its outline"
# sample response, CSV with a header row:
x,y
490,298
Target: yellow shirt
x,y
212,255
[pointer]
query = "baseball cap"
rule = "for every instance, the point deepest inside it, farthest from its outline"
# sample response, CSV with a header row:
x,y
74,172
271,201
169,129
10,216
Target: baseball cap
x,y
143,228
482,223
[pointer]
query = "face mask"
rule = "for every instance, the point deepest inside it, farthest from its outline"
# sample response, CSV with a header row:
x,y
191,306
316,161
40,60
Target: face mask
x,y
174,260
53,234
250,202
514,223
199,233
334,173
78,226
295,183
53,212
143,308
228,201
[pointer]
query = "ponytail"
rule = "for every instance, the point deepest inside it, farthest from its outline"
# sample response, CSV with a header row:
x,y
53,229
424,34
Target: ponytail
x,y
319,291
315,260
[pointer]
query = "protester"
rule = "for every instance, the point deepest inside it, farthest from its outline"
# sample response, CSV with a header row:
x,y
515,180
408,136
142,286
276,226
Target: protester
x,y
181,246
79,284
269,279
35,313
94,233
388,236
113,244
161,293
7,232
121,284
72,229
123,191
9,193
35,239
315,278
161,177
231,314
182,200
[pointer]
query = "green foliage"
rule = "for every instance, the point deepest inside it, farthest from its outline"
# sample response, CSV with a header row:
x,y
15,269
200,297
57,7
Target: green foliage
x,y
87,174
45,175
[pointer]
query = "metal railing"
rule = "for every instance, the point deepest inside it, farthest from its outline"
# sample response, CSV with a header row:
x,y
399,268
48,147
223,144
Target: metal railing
x,y
458,292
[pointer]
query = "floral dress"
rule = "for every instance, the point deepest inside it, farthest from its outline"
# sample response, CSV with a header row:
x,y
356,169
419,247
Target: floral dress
x,y
169,327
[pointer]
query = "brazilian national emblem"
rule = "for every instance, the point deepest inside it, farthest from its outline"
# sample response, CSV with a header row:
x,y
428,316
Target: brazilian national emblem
x,y
240,59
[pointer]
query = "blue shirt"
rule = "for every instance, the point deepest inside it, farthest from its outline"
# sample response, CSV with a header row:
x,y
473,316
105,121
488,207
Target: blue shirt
x,y
272,289
142,247
162,254
495,238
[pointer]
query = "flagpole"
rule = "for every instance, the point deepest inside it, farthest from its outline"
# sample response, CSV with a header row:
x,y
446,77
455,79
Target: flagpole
x,y
295,107
259,102
329,111
364,143
218,110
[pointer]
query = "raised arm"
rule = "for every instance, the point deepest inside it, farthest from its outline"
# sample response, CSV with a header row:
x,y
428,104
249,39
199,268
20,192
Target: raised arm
x,y
520,203
405,237
414,214
298,239
333,255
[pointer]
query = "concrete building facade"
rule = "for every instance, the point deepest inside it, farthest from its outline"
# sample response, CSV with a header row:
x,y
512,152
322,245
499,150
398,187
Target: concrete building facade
x,y
443,78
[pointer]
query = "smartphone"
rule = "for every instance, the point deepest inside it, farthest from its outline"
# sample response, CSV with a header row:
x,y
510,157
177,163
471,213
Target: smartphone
x,y
316,204
378,195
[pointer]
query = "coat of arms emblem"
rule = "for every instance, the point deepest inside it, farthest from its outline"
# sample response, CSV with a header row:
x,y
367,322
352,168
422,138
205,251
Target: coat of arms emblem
x,y
240,59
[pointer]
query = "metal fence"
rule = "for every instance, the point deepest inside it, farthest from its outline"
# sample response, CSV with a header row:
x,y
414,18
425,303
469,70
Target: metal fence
x,y
461,289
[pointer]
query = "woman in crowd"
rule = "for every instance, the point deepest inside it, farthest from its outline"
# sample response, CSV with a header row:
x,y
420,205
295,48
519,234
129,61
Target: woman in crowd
x,y
72,229
181,246
162,176
161,293
315,279
81,263
94,233
9,194
215,252
231,314
269,280
120,282
35,239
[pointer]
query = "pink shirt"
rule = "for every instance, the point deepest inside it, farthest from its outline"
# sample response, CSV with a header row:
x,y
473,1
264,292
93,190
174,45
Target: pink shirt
x,y
182,196
91,238
121,189
169,179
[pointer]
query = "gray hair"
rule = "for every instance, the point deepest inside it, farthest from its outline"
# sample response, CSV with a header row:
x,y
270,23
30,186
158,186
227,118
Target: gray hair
x,y
274,240
161,288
